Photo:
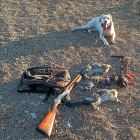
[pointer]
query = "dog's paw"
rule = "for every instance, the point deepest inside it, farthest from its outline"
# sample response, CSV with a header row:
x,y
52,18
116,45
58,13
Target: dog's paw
x,y
105,43
113,42
89,31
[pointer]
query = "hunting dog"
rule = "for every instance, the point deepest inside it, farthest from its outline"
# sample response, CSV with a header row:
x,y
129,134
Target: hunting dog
x,y
103,24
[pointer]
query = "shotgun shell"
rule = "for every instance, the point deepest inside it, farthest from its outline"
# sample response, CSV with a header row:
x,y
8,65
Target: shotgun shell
x,y
131,74
128,76
131,83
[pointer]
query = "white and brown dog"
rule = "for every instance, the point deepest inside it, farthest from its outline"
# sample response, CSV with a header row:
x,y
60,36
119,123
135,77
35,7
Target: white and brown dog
x,y
103,24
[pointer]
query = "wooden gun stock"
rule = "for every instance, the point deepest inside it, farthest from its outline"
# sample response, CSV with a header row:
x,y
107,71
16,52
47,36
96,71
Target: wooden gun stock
x,y
46,124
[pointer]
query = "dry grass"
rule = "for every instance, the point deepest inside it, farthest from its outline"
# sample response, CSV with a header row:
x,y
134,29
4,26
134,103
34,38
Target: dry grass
x,y
36,32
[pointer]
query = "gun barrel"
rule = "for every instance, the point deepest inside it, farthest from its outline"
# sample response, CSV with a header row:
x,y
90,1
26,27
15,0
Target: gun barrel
x,y
83,70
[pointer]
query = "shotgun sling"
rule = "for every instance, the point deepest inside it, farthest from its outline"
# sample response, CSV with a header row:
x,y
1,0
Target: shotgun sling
x,y
46,124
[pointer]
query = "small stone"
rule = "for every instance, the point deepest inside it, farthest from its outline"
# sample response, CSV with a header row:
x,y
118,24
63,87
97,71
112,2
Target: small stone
x,y
32,103
23,120
3,128
67,126
23,102
33,115
38,103
81,87
26,111
2,105
0,97
8,137
42,97
40,58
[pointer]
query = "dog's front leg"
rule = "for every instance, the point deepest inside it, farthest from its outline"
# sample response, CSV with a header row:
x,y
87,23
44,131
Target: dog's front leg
x,y
103,39
90,31
113,38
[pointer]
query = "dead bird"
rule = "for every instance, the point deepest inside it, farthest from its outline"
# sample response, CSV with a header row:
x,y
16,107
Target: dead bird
x,y
96,69
120,79
101,96
96,81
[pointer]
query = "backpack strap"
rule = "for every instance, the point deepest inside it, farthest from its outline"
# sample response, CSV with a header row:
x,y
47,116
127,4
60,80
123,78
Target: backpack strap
x,y
32,79
32,88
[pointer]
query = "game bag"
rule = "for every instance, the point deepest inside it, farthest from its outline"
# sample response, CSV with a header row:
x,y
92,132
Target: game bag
x,y
46,79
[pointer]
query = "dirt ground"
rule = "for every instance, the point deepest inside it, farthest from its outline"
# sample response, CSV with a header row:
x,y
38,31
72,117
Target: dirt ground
x,y
37,32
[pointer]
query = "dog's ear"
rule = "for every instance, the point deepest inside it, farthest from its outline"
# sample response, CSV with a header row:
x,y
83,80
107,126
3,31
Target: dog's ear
x,y
110,17
101,17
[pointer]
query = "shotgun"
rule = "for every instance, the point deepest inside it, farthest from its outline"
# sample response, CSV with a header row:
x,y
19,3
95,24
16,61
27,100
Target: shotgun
x,y
47,122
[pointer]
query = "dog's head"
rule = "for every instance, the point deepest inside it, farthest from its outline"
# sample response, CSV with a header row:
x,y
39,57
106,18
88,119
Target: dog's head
x,y
106,21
